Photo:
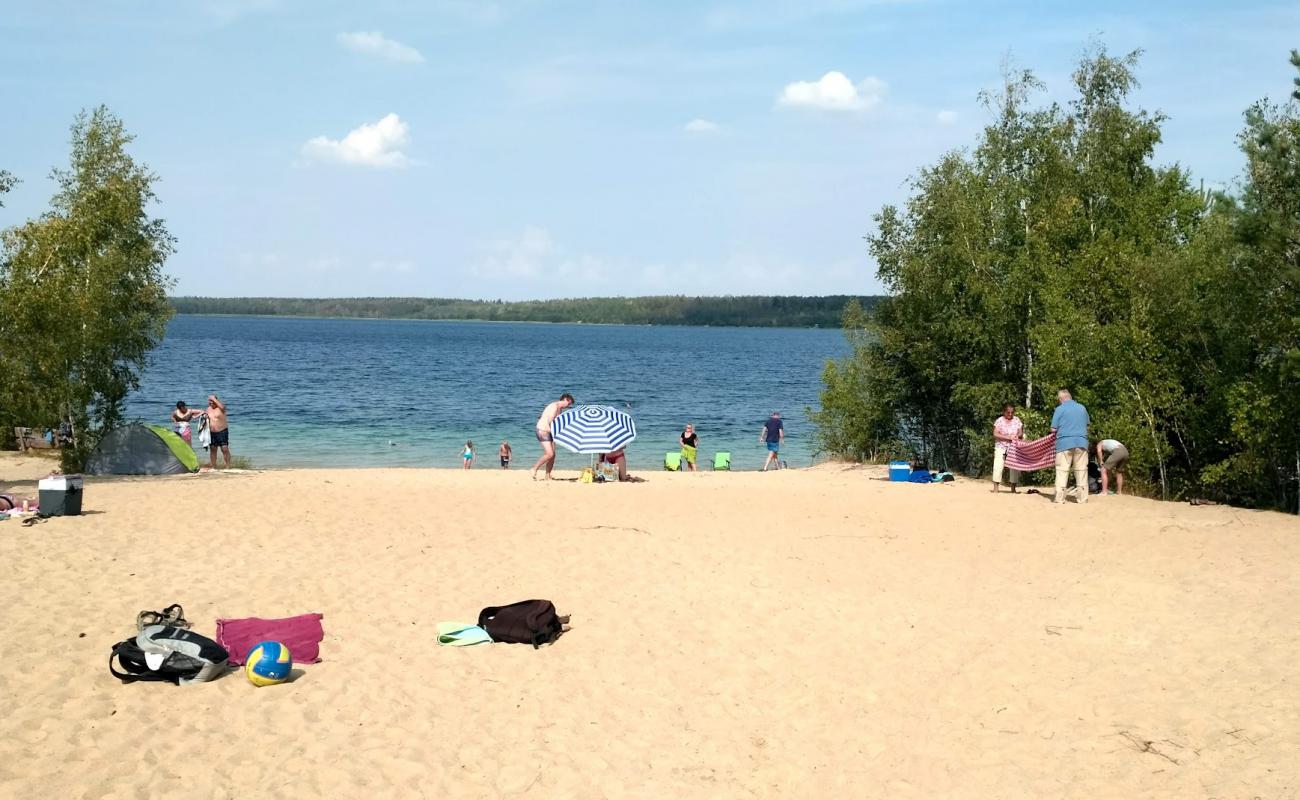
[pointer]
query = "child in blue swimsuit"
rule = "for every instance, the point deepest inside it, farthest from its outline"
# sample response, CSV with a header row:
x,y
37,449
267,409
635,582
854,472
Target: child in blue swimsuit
x,y
468,454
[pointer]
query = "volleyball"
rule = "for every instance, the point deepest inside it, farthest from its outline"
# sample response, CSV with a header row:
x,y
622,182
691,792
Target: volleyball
x,y
268,663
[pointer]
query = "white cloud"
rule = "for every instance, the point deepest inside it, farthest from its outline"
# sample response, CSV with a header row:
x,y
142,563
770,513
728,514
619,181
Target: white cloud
x,y
374,144
323,264
524,256
374,43
701,126
946,118
396,267
533,266
834,92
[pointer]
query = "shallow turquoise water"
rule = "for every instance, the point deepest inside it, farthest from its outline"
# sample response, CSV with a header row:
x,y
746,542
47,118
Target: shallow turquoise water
x,y
340,392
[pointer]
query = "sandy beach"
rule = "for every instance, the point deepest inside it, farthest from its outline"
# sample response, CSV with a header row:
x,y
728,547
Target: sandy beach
x,y
815,633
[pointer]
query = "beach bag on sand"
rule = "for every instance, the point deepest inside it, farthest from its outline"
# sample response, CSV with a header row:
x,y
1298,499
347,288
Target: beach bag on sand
x,y
528,622
164,653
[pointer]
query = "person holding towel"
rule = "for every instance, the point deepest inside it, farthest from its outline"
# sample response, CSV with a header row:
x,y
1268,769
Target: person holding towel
x,y
182,416
1007,430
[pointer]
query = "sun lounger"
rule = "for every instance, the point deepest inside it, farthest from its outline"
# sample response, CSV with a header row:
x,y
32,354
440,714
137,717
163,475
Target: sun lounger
x,y
722,461
673,461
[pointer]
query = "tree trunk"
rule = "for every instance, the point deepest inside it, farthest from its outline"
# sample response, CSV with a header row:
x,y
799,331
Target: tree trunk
x,y
1155,440
1029,353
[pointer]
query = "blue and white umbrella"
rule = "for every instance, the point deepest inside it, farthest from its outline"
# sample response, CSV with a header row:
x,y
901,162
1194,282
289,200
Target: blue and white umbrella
x,y
593,429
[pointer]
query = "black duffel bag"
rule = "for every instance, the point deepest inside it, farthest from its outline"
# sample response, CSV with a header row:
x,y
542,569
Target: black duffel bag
x,y
526,622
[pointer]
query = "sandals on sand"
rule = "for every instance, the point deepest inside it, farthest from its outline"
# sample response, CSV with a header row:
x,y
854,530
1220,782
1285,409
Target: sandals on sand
x,y
172,616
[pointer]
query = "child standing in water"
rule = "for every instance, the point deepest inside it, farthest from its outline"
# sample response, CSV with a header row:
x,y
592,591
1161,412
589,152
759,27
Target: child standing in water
x,y
505,454
468,454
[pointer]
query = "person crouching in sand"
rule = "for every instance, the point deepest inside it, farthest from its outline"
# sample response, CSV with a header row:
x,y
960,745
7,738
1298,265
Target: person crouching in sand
x,y
617,458
544,437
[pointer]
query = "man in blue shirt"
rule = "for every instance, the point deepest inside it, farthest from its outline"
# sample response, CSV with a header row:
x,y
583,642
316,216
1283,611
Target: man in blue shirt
x,y
1070,424
774,435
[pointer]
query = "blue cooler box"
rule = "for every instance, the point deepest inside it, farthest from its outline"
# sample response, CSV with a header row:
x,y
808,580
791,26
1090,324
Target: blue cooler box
x,y
900,471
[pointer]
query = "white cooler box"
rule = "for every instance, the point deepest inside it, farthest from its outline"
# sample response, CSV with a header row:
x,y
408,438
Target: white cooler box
x,y
60,496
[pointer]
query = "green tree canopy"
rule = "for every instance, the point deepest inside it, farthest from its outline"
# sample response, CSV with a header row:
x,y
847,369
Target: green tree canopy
x,y
85,291
1056,253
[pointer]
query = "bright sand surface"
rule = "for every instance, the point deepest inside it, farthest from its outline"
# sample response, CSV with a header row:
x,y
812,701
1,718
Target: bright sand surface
x,y
807,634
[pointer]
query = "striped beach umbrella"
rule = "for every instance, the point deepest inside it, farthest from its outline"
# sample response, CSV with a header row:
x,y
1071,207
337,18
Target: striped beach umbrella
x,y
593,429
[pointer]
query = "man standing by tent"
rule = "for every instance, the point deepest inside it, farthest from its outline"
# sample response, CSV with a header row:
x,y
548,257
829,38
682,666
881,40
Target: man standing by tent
x,y
219,429
1070,424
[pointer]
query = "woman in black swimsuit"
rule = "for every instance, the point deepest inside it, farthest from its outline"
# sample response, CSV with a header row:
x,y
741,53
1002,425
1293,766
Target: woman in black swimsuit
x,y
688,441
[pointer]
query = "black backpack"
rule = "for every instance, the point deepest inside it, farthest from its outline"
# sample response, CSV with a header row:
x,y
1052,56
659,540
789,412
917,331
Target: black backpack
x,y
165,653
527,622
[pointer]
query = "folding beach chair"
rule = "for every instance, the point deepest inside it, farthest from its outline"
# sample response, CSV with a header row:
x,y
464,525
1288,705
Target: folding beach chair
x,y
722,461
673,461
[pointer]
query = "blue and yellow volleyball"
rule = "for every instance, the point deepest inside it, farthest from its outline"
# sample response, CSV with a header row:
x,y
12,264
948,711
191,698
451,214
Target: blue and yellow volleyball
x,y
268,663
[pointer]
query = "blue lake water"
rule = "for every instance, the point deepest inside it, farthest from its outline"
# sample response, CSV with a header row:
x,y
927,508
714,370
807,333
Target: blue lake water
x,y
342,392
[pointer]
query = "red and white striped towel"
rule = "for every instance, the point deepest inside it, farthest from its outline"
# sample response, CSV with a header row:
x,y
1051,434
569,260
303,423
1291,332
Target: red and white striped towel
x,y
1029,456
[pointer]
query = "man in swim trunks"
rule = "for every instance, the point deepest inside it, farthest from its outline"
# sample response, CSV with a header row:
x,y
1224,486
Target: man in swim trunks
x,y
774,435
548,416
219,429
505,453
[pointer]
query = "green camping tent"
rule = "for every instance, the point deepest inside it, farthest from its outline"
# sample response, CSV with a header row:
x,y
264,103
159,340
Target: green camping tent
x,y
142,450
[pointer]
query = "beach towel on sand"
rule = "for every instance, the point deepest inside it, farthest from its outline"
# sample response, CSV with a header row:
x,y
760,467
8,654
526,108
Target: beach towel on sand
x,y
301,634
1029,456
462,634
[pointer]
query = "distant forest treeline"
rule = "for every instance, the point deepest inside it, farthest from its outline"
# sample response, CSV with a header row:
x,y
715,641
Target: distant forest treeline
x,y
765,312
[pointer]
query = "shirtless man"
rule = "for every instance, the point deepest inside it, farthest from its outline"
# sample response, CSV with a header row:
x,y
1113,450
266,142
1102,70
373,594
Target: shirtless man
x,y
219,430
548,416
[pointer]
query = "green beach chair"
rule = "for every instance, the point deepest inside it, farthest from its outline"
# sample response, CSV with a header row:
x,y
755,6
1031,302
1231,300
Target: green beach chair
x,y
722,461
673,461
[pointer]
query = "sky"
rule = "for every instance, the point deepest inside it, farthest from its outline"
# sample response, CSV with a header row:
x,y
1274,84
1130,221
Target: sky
x,y
516,149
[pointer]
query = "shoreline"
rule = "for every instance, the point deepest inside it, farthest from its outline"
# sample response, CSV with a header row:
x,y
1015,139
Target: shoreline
x,y
518,322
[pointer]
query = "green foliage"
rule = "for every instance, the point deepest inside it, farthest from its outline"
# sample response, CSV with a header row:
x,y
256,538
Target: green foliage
x,y
845,427
7,181
1056,253
786,312
85,292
